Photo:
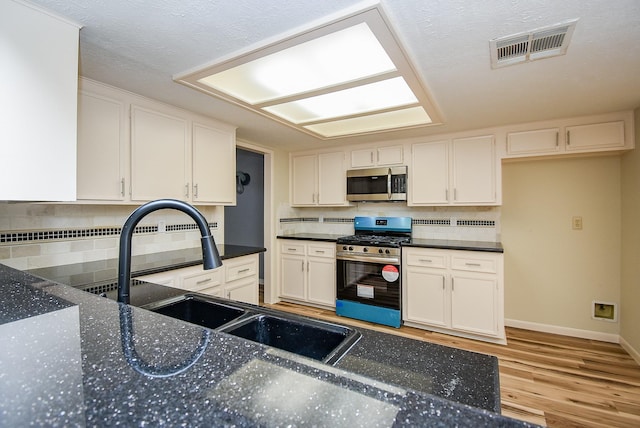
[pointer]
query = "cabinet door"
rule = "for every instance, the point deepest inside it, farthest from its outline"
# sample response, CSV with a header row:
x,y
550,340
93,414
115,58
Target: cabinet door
x,y
214,166
429,174
304,175
363,158
426,297
541,141
596,136
332,179
321,286
389,155
293,276
474,304
474,170
101,148
158,158
243,290
39,87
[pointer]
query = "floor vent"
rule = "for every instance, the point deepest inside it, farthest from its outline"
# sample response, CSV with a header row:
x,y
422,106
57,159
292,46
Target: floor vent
x,y
530,46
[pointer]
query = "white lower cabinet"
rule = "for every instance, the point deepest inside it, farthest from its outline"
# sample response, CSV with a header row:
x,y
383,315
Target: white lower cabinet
x,y
308,272
237,279
455,292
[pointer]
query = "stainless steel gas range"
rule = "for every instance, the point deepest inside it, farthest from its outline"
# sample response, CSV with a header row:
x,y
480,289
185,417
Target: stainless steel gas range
x,y
369,270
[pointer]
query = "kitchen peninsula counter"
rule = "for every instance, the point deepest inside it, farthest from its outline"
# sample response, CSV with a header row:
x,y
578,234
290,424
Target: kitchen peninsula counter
x,y
85,378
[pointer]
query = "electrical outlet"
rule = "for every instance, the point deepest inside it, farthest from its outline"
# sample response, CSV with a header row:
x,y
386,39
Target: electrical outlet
x,y
576,223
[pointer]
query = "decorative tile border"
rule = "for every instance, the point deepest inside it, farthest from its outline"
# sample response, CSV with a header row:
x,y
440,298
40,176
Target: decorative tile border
x,y
431,222
476,223
300,220
20,237
337,220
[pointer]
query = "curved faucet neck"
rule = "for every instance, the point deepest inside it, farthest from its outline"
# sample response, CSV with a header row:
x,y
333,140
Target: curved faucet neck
x,y
211,258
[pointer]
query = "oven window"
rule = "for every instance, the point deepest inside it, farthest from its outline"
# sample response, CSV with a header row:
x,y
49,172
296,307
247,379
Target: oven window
x,y
369,283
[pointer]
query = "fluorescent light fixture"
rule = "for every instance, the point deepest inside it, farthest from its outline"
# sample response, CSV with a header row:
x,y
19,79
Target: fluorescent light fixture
x,y
345,77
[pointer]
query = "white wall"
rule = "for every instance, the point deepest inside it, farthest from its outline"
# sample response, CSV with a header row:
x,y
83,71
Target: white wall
x,y
630,290
552,272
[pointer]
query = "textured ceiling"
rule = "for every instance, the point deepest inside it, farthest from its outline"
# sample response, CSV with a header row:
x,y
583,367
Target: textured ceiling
x,y
140,45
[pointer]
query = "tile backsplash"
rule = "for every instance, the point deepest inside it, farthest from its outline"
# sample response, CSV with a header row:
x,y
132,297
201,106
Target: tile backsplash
x,y
42,235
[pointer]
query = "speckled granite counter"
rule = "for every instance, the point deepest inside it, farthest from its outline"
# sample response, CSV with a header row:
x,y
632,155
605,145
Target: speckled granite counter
x,y
84,377
103,272
415,242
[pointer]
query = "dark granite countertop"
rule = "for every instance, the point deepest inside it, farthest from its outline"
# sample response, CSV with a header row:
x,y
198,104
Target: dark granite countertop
x,y
65,363
495,247
106,271
311,237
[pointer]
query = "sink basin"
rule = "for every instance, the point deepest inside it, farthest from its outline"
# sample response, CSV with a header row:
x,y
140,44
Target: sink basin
x,y
202,312
320,340
314,339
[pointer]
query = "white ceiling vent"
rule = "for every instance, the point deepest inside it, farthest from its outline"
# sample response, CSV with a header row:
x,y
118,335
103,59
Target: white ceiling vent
x,y
537,44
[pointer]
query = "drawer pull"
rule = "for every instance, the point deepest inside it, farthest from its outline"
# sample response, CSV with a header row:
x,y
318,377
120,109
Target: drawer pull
x,y
244,270
473,264
320,251
203,281
292,249
426,260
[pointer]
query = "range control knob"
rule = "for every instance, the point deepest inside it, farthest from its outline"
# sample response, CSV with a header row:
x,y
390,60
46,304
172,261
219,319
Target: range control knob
x,y
350,248
380,251
365,249
387,251
344,247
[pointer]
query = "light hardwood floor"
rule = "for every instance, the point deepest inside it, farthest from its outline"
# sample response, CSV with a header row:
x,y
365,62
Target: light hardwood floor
x,y
547,379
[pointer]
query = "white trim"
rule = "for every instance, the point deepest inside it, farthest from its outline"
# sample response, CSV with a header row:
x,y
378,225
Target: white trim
x,y
630,349
565,331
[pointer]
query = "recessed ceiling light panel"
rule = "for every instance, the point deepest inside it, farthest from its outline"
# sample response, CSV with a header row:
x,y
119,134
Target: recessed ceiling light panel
x,y
342,78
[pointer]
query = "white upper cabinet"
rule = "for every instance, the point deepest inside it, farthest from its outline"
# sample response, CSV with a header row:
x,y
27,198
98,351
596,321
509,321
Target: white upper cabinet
x,y
378,156
102,148
462,171
539,141
133,150
611,132
213,159
609,135
39,86
158,156
318,179
474,171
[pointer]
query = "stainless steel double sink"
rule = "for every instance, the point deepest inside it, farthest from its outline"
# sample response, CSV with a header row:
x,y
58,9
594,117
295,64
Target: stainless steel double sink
x,y
319,340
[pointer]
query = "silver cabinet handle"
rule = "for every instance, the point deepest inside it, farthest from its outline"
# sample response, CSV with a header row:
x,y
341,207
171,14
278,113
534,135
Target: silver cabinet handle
x,y
426,260
389,184
292,249
302,266
443,282
244,270
122,186
186,190
320,251
195,190
203,281
557,138
568,138
473,264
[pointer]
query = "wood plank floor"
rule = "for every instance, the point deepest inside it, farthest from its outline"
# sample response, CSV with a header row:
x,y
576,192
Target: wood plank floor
x,y
547,379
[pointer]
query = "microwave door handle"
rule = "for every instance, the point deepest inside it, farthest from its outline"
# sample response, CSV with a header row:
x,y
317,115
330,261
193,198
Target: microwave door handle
x,y
389,184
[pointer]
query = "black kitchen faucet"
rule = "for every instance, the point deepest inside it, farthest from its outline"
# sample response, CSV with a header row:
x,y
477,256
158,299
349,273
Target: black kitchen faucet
x,y
211,258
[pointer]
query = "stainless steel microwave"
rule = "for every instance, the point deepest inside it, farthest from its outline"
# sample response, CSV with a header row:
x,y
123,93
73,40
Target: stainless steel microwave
x,y
377,184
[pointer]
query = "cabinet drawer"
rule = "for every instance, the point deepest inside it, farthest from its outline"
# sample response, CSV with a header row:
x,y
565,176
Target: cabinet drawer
x,y
426,259
202,281
241,270
474,264
292,248
322,251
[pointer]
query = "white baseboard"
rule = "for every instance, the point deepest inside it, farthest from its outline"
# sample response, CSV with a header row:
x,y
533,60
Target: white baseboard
x,y
565,331
627,347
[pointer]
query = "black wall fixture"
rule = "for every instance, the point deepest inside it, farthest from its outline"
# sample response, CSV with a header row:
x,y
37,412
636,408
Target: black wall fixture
x,y
242,179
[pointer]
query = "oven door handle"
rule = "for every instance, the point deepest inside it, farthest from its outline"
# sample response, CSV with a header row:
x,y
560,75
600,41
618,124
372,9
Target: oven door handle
x,y
371,259
389,184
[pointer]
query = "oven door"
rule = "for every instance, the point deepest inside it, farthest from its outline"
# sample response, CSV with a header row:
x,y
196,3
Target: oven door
x,y
369,280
